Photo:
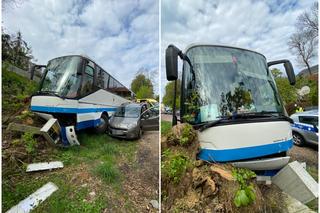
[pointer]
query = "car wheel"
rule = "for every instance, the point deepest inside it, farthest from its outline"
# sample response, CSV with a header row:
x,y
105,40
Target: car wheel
x,y
297,139
140,133
103,126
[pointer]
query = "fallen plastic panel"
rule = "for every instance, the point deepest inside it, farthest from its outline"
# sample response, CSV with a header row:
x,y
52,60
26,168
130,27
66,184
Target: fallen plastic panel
x,y
297,182
263,164
34,199
44,166
71,135
51,131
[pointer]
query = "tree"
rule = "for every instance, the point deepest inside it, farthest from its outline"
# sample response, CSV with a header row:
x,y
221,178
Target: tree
x,y
144,92
142,86
15,50
303,43
169,94
308,20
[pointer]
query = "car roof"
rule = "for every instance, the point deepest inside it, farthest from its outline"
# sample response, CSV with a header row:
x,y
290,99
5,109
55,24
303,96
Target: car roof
x,y
309,112
132,104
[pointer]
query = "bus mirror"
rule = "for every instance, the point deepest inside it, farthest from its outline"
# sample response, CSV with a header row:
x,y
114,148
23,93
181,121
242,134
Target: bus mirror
x,y
290,72
288,67
172,53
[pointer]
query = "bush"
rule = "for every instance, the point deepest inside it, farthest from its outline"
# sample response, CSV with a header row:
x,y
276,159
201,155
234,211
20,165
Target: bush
x,y
30,142
175,166
182,134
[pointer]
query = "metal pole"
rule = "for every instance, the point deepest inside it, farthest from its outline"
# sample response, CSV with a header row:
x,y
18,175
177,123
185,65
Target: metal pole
x,y
174,117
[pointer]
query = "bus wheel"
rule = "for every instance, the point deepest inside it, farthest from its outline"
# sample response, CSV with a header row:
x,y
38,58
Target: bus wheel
x,y
104,122
297,139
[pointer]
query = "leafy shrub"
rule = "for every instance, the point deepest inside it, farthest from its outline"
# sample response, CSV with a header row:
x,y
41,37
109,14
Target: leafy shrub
x,y
30,142
245,195
181,134
175,166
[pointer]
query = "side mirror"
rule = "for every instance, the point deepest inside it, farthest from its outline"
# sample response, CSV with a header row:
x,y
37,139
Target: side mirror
x,y
172,53
289,69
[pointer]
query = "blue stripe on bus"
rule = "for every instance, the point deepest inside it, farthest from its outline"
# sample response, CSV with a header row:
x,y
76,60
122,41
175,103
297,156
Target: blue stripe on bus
x,y
304,127
225,155
87,124
70,110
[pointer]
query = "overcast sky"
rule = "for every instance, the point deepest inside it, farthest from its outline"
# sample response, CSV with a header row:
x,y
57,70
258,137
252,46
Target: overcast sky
x,y
121,36
261,25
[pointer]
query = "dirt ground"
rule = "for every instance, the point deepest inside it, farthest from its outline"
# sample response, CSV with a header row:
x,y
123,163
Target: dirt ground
x,y
308,154
142,184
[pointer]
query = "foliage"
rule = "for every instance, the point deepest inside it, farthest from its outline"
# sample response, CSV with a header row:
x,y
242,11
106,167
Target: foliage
x,y
169,94
15,89
175,165
182,134
165,127
289,94
15,50
107,172
142,86
192,107
245,194
144,92
303,42
30,142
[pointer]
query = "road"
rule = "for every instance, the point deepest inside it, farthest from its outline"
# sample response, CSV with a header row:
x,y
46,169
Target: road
x,y
142,183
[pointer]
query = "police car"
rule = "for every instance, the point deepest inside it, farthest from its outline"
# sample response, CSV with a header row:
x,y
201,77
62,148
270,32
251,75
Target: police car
x,y
305,127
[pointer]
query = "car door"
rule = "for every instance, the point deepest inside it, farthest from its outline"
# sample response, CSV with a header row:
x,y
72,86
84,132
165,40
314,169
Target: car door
x,y
310,128
150,119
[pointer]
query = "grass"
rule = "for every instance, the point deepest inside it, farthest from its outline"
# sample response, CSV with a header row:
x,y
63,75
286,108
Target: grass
x,y
15,89
98,156
165,127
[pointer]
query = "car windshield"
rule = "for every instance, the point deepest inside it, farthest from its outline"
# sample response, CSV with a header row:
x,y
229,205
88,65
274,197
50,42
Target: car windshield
x,y
227,81
128,111
61,77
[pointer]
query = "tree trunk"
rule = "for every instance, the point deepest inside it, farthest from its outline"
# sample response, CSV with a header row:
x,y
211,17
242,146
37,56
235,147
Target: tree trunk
x,y
308,68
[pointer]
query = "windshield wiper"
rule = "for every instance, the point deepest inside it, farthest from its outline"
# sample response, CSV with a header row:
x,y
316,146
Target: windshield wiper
x,y
49,93
252,115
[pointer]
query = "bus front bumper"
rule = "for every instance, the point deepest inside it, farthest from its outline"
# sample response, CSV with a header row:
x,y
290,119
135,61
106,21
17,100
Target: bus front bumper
x,y
263,164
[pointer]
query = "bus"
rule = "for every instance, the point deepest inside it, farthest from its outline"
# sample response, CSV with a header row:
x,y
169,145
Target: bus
x,y
78,92
230,96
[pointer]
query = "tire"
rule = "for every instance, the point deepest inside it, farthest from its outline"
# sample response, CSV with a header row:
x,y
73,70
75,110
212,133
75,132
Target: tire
x,y
298,140
103,126
140,133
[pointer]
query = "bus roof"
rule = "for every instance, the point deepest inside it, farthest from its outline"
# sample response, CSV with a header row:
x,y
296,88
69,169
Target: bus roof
x,y
87,57
217,45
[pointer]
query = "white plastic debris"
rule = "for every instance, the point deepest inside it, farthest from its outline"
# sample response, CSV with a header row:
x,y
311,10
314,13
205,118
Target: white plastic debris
x,y
34,199
155,204
44,166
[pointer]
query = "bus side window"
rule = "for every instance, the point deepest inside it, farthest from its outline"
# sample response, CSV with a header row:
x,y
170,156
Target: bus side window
x,y
87,82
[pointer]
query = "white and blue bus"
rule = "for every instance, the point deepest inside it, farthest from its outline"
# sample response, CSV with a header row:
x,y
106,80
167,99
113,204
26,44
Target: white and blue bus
x,y
230,96
78,92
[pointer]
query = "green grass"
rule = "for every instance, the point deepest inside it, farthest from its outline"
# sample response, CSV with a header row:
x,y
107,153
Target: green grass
x,y
15,89
99,155
165,127
108,172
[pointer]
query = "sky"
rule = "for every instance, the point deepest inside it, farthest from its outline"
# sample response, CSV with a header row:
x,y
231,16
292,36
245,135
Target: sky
x,y
261,25
121,36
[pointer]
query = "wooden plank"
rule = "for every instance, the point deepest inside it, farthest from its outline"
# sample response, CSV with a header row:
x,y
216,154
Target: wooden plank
x,y
23,128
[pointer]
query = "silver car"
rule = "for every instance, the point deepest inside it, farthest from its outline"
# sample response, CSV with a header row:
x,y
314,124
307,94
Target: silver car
x,y
131,119
305,128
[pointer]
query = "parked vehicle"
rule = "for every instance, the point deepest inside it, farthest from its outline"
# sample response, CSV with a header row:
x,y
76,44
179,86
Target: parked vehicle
x,y
305,128
78,92
150,101
131,119
230,96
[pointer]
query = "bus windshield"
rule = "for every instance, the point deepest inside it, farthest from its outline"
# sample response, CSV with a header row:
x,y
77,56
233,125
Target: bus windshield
x,y
61,77
227,81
